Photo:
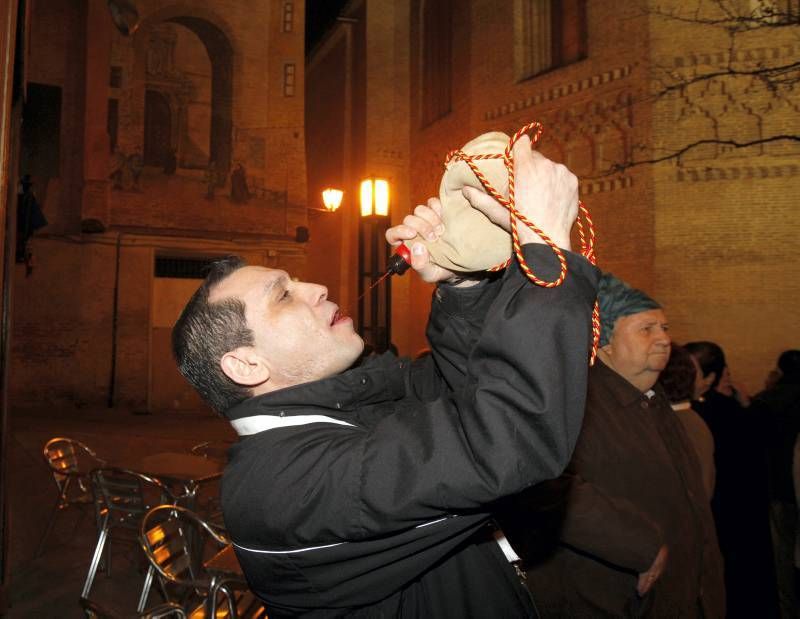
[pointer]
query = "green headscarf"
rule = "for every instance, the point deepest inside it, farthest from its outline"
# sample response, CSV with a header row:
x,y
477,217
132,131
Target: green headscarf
x,y
617,299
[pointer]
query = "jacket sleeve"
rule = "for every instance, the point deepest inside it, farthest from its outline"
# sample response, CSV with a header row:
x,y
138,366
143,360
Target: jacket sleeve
x,y
629,540
571,511
455,324
513,423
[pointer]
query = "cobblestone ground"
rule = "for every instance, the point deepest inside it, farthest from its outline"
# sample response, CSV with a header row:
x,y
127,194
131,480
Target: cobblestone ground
x,y
50,585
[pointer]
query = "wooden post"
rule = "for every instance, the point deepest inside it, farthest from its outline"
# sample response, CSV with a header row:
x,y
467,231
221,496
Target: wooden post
x,y
12,20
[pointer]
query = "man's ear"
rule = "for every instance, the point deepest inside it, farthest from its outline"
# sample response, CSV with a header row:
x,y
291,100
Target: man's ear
x,y
709,379
604,354
245,367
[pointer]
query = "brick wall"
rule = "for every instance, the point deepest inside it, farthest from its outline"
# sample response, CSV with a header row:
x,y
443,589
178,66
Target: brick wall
x,y
707,235
726,268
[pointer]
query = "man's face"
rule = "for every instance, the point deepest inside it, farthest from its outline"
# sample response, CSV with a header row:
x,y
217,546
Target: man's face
x,y
299,334
639,347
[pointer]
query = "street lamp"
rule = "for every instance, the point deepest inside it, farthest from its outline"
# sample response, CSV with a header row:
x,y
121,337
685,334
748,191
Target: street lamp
x,y
374,197
332,199
374,302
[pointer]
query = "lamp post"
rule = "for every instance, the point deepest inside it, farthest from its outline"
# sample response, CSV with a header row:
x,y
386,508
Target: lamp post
x,y
374,308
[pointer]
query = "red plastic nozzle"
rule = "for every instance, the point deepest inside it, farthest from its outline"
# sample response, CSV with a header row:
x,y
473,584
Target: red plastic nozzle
x,y
400,261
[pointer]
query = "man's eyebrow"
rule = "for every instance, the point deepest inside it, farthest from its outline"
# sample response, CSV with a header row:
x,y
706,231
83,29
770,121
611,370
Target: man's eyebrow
x,y
276,281
650,323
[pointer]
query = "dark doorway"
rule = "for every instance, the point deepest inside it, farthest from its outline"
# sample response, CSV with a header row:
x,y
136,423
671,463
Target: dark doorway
x,y
41,130
157,129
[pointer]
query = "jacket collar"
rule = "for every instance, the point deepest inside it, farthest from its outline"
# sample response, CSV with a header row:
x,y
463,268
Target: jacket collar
x,y
377,379
617,387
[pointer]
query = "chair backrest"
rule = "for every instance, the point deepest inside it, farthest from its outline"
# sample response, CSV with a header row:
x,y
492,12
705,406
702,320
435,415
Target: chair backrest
x,y
66,456
123,494
167,534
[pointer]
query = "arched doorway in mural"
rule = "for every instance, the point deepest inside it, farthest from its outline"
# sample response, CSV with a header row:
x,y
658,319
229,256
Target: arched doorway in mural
x,y
189,95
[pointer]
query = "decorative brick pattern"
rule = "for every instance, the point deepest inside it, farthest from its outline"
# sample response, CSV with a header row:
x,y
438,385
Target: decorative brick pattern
x,y
558,92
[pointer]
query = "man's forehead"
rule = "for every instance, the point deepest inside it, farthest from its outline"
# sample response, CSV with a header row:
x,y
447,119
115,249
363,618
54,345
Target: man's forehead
x,y
651,315
244,281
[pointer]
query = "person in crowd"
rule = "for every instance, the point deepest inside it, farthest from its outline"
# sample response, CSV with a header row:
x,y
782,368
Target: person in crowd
x,y
627,531
680,380
364,491
778,408
796,480
740,501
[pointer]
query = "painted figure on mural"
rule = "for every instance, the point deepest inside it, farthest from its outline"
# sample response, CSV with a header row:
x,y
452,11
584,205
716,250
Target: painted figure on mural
x,y
239,191
135,165
29,219
119,162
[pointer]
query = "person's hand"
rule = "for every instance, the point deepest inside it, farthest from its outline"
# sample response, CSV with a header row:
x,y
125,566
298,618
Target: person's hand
x,y
545,192
648,579
426,222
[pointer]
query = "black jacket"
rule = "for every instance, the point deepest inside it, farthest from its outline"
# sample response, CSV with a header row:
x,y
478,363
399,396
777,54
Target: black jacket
x,y
379,508
778,409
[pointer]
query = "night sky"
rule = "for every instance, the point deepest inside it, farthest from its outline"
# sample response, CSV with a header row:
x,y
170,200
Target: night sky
x,y
320,14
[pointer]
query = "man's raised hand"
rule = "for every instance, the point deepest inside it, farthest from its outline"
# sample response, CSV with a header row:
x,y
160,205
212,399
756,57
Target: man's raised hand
x,y
545,192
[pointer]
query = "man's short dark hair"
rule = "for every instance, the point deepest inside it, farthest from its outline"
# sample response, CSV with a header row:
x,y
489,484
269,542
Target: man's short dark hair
x,y
678,377
710,358
205,332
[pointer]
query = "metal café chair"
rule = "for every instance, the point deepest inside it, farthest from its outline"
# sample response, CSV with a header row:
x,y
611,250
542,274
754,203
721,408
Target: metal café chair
x,y
124,502
93,610
70,462
168,534
209,505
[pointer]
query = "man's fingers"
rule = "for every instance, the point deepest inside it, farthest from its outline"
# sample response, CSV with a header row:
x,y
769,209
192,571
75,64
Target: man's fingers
x,y
522,147
421,225
421,263
430,216
397,234
496,212
436,206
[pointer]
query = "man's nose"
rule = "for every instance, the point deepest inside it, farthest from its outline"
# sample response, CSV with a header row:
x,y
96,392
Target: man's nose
x,y
317,293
